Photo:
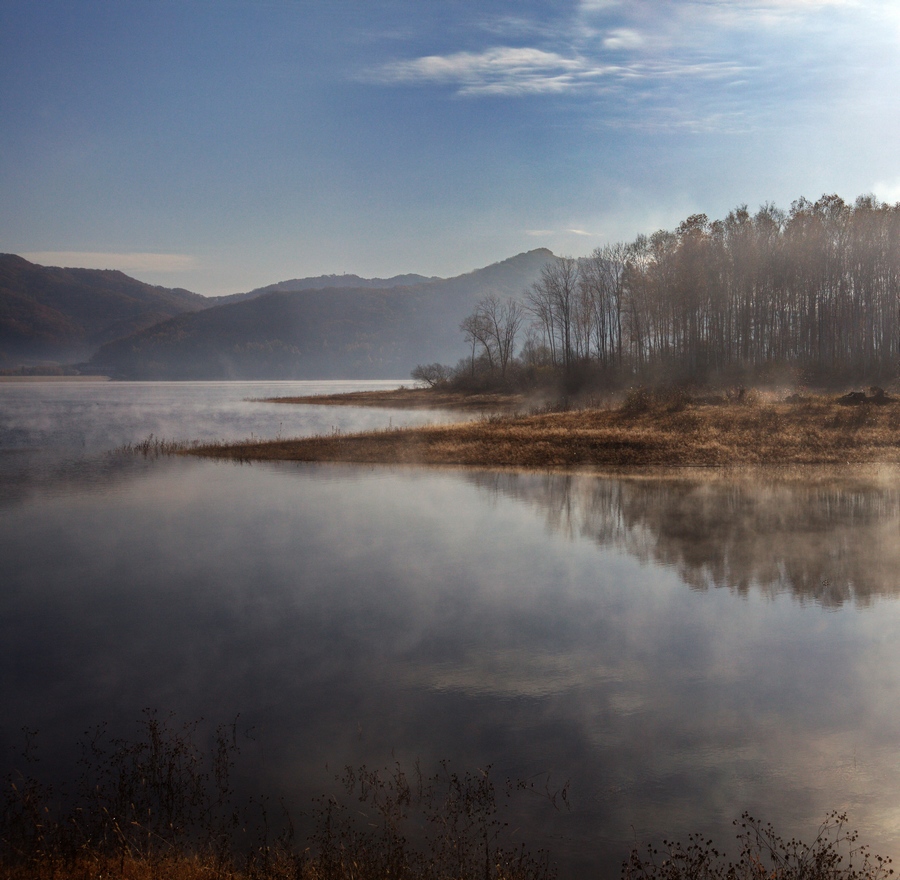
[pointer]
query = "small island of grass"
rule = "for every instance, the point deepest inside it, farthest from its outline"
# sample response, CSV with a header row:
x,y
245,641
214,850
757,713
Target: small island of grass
x,y
645,429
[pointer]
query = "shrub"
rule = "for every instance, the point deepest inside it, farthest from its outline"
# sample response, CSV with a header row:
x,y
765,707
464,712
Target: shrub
x,y
834,854
160,806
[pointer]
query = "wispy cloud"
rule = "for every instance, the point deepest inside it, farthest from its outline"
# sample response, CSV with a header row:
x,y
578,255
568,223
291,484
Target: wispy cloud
x,y
695,66
748,9
597,5
547,233
623,38
498,70
505,70
511,27
767,15
133,262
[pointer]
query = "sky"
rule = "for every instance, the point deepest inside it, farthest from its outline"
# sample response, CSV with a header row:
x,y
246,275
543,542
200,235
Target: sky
x,y
221,145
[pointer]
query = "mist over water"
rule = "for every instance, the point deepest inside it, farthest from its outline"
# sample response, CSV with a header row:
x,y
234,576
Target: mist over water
x,y
680,649
56,434
93,417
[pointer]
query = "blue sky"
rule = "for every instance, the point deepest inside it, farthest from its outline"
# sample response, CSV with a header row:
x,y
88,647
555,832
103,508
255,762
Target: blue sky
x,y
220,145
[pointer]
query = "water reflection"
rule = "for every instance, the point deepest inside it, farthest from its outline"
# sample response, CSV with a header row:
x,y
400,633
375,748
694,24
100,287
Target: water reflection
x,y
357,614
361,615
827,538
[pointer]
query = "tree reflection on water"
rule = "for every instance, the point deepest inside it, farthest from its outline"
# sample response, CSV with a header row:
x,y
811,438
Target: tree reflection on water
x,y
828,539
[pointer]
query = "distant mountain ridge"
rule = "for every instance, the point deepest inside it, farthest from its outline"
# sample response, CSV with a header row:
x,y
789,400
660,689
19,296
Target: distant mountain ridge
x,y
324,326
322,282
358,331
59,314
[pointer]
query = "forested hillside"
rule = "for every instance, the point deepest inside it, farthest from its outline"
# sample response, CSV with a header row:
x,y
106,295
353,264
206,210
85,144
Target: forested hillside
x,y
63,315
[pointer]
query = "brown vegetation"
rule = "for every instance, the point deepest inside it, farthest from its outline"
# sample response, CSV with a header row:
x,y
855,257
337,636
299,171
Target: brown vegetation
x,y
834,854
160,806
412,398
646,430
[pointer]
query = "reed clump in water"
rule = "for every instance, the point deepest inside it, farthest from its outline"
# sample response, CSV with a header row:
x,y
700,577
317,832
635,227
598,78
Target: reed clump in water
x,y
647,429
155,447
159,806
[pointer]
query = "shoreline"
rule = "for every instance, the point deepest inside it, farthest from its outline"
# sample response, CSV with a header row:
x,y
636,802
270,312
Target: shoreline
x,y
49,378
411,398
816,431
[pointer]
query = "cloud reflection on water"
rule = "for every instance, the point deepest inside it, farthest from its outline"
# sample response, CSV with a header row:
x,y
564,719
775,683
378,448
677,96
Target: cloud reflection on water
x,y
358,614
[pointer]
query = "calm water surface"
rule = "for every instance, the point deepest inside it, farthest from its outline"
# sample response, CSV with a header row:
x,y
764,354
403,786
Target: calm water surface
x,y
681,649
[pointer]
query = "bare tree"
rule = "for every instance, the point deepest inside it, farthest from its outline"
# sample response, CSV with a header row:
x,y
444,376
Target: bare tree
x,y
816,289
432,375
603,283
553,300
477,332
494,325
502,320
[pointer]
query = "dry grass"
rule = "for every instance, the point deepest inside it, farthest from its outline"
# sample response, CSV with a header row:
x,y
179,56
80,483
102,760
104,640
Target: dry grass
x,y
834,854
649,432
184,866
412,398
92,866
162,806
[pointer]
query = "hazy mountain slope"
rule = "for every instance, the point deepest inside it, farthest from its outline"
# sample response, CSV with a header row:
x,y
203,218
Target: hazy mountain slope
x,y
49,313
321,282
333,332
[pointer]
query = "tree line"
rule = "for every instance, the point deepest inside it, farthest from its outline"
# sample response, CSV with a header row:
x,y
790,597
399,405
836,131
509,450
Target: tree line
x,y
814,291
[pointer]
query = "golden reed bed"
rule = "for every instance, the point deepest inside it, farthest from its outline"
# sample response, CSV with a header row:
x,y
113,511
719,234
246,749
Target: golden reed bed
x,y
648,431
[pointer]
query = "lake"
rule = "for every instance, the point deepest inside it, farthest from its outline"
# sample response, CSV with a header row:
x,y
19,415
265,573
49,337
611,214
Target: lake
x,y
679,647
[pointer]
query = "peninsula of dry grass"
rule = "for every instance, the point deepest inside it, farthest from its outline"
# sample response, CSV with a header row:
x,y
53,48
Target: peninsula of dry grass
x,y
413,398
646,430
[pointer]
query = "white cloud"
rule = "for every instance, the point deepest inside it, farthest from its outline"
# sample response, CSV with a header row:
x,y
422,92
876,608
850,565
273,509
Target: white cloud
x,y
133,262
519,71
623,38
597,5
768,13
790,4
888,190
499,60
501,70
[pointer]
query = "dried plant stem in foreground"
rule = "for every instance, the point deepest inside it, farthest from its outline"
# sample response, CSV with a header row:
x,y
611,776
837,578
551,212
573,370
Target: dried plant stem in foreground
x,y
834,854
161,806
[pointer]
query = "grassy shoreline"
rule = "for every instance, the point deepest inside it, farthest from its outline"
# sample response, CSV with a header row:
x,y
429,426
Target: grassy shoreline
x,y
412,398
643,432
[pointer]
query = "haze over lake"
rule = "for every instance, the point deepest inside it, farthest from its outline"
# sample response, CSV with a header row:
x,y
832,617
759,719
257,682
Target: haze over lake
x,y
681,648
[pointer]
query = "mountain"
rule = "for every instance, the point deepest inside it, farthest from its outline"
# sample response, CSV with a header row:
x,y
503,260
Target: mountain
x,y
321,282
56,314
331,331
